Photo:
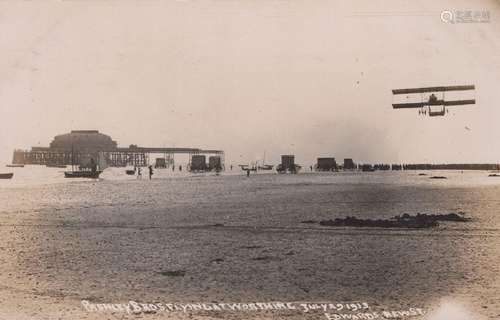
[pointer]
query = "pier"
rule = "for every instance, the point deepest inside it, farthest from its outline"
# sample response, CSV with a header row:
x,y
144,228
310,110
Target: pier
x,y
73,147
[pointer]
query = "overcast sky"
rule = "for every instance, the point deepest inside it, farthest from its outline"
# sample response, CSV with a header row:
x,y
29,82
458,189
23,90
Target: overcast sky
x,y
312,78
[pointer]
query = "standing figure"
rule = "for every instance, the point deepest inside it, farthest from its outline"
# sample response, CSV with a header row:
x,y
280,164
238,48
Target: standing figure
x,y
150,172
93,165
139,173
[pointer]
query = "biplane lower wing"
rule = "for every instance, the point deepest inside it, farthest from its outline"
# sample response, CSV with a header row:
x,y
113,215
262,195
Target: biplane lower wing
x,y
408,105
413,105
459,102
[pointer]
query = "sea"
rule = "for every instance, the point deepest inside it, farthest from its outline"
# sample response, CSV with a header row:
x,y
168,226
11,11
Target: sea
x,y
205,238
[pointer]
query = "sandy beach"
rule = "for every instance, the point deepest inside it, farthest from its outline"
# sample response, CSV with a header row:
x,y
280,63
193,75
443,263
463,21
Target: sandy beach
x,y
232,239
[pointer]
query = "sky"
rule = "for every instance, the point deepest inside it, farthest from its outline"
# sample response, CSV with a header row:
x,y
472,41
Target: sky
x,y
311,78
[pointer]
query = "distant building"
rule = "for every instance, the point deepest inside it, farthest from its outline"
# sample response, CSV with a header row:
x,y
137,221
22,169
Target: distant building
x,y
349,164
288,162
214,163
198,163
83,140
326,164
73,147
160,163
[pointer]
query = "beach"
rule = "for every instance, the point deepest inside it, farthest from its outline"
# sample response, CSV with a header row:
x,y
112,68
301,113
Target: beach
x,y
186,238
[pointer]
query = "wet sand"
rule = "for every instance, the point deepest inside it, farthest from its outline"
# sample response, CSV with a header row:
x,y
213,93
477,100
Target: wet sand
x,y
233,239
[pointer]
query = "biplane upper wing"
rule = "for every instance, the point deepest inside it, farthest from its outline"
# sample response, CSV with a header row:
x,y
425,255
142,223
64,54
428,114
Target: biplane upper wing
x,y
433,89
435,103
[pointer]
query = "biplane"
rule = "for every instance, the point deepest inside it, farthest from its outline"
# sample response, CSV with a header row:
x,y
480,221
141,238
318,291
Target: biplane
x,y
434,104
